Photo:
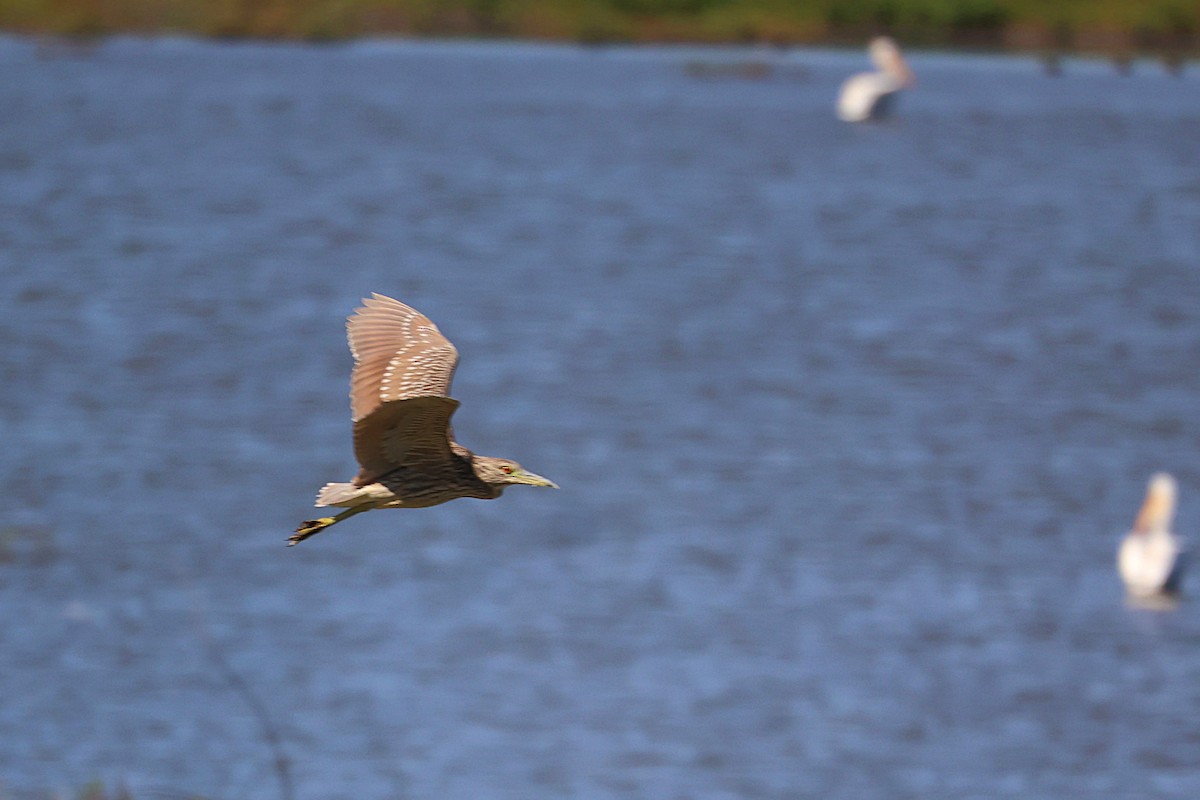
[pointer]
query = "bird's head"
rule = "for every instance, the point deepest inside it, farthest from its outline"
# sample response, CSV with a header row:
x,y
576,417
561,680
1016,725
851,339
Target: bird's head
x,y
886,55
1158,511
503,472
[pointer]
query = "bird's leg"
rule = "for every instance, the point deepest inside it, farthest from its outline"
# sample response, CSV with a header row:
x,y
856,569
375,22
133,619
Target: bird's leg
x,y
313,526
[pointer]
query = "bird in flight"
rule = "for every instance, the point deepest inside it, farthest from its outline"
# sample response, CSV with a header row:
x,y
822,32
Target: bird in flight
x,y
399,399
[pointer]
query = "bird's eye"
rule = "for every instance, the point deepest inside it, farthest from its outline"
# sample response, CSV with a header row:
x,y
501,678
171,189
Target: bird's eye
x,y
506,469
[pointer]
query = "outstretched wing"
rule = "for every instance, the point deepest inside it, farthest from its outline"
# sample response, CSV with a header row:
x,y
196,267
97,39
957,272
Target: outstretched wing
x,y
399,354
399,389
413,433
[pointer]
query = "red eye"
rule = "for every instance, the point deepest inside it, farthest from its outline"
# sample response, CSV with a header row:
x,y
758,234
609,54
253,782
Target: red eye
x,y
507,470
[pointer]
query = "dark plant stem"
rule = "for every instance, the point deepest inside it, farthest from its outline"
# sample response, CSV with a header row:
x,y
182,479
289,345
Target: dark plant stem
x,y
270,734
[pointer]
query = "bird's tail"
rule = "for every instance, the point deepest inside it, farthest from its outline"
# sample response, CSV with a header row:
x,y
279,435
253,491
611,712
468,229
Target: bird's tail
x,y
342,495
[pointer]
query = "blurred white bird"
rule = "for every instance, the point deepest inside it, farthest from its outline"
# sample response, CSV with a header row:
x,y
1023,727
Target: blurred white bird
x,y
1150,558
870,95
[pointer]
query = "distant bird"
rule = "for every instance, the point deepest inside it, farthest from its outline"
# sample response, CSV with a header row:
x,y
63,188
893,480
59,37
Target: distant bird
x,y
870,95
1150,558
399,398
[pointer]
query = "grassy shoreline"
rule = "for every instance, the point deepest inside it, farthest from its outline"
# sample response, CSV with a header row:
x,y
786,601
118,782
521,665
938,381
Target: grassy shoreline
x,y
1112,27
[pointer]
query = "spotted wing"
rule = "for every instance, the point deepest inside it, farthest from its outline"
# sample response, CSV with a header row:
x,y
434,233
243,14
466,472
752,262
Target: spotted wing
x,y
399,354
399,388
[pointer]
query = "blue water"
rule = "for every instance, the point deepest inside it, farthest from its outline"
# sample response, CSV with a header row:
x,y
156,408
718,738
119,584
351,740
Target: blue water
x,y
848,422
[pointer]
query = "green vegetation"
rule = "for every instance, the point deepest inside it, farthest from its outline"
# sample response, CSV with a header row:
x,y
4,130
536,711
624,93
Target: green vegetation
x,y
1093,25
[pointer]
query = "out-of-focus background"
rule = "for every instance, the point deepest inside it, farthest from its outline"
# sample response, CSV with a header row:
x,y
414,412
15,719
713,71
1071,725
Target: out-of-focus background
x,y
848,421
1112,26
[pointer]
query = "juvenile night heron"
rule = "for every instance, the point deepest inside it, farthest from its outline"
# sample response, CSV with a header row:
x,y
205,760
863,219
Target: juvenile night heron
x,y
1150,558
399,398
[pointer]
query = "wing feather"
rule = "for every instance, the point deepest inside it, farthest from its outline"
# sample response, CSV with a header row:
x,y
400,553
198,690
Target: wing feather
x,y
399,354
412,433
399,390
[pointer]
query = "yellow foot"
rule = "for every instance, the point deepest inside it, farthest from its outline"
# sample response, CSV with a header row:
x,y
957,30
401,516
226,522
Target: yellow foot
x,y
308,528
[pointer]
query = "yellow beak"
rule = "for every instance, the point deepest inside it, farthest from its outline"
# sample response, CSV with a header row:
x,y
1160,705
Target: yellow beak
x,y
534,480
